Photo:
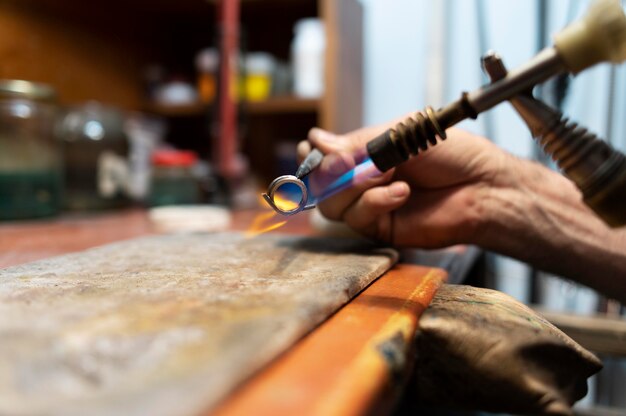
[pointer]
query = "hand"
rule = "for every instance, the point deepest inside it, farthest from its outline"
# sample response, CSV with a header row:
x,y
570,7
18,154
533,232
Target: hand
x,y
467,190
432,200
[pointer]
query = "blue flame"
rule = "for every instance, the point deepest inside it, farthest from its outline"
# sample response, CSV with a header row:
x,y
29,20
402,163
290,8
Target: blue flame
x,y
356,175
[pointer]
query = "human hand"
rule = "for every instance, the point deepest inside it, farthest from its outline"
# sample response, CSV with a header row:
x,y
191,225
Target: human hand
x,y
433,200
466,190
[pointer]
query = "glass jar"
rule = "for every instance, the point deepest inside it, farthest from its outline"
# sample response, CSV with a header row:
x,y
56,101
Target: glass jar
x,y
30,155
173,181
95,151
207,66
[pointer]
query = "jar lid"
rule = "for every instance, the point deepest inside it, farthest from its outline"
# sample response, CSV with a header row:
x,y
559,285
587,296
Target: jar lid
x,y
169,157
314,25
17,88
259,63
207,60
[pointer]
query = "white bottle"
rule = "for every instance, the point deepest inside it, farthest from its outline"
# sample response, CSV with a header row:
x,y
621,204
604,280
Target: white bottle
x,y
307,52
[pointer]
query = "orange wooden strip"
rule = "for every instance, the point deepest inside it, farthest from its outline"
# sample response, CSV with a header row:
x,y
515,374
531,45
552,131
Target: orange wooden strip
x,y
344,366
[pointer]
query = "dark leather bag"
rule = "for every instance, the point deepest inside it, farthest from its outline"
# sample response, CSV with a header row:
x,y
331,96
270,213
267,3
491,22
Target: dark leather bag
x,y
480,349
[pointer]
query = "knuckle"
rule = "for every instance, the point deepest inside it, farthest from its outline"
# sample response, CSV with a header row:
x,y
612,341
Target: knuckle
x,y
356,141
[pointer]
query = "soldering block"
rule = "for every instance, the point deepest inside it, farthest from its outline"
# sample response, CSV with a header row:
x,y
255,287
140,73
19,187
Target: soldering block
x,y
166,325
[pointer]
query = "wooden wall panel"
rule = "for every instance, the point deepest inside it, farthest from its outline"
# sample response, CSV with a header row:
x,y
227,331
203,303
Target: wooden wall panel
x,y
81,62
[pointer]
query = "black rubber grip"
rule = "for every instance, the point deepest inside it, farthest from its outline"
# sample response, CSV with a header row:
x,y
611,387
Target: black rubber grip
x,y
384,153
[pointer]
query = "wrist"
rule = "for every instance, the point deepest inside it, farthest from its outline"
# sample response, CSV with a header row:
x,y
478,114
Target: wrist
x,y
517,204
497,196
536,215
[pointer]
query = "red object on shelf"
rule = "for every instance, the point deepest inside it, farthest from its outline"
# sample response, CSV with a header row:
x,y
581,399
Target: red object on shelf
x,y
174,158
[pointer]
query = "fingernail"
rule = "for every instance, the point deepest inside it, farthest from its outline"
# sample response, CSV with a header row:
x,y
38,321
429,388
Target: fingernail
x,y
398,189
303,148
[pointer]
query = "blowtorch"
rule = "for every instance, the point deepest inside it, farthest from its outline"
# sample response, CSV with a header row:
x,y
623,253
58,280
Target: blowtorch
x,y
597,169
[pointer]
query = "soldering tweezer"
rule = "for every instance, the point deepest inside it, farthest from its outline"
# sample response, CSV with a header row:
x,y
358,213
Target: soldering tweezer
x,y
310,163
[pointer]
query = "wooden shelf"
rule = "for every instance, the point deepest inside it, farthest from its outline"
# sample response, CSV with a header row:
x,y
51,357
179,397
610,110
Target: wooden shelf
x,y
155,7
286,105
179,110
274,105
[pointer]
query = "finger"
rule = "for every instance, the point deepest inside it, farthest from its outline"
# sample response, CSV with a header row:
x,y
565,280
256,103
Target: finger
x,y
326,141
374,203
335,207
302,150
332,167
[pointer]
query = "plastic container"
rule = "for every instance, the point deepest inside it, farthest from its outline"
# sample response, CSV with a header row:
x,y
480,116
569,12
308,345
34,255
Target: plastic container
x,y
307,52
258,81
30,155
173,181
176,92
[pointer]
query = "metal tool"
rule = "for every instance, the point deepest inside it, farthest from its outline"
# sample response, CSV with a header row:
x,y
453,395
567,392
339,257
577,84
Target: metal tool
x,y
272,192
600,36
598,170
310,163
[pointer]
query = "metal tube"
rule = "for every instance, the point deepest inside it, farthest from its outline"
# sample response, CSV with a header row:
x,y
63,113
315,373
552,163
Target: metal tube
x,y
544,65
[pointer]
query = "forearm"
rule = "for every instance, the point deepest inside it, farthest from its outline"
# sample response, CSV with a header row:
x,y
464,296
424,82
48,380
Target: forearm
x,y
538,216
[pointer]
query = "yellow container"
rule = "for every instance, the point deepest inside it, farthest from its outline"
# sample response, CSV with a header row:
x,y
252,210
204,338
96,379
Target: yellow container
x,y
258,79
258,87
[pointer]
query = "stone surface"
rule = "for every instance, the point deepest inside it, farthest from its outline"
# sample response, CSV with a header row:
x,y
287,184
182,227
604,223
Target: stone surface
x,y
165,325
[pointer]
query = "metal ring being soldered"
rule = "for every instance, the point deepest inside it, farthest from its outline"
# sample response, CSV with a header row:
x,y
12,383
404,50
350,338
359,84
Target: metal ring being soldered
x,y
281,181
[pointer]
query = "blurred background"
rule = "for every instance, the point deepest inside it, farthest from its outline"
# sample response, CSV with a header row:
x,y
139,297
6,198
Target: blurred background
x,y
110,104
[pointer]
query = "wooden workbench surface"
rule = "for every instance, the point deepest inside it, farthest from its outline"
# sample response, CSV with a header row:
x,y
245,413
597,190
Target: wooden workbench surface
x,y
23,241
351,364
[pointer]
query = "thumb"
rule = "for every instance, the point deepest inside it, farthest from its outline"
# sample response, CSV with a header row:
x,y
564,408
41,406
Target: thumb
x,y
324,140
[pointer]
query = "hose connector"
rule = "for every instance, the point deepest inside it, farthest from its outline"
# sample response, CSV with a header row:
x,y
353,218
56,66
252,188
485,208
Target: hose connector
x,y
406,139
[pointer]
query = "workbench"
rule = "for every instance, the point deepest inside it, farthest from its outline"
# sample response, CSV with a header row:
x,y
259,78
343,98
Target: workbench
x,y
355,362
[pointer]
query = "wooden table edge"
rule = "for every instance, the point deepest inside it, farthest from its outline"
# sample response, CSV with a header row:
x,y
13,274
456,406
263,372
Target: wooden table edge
x,y
356,361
